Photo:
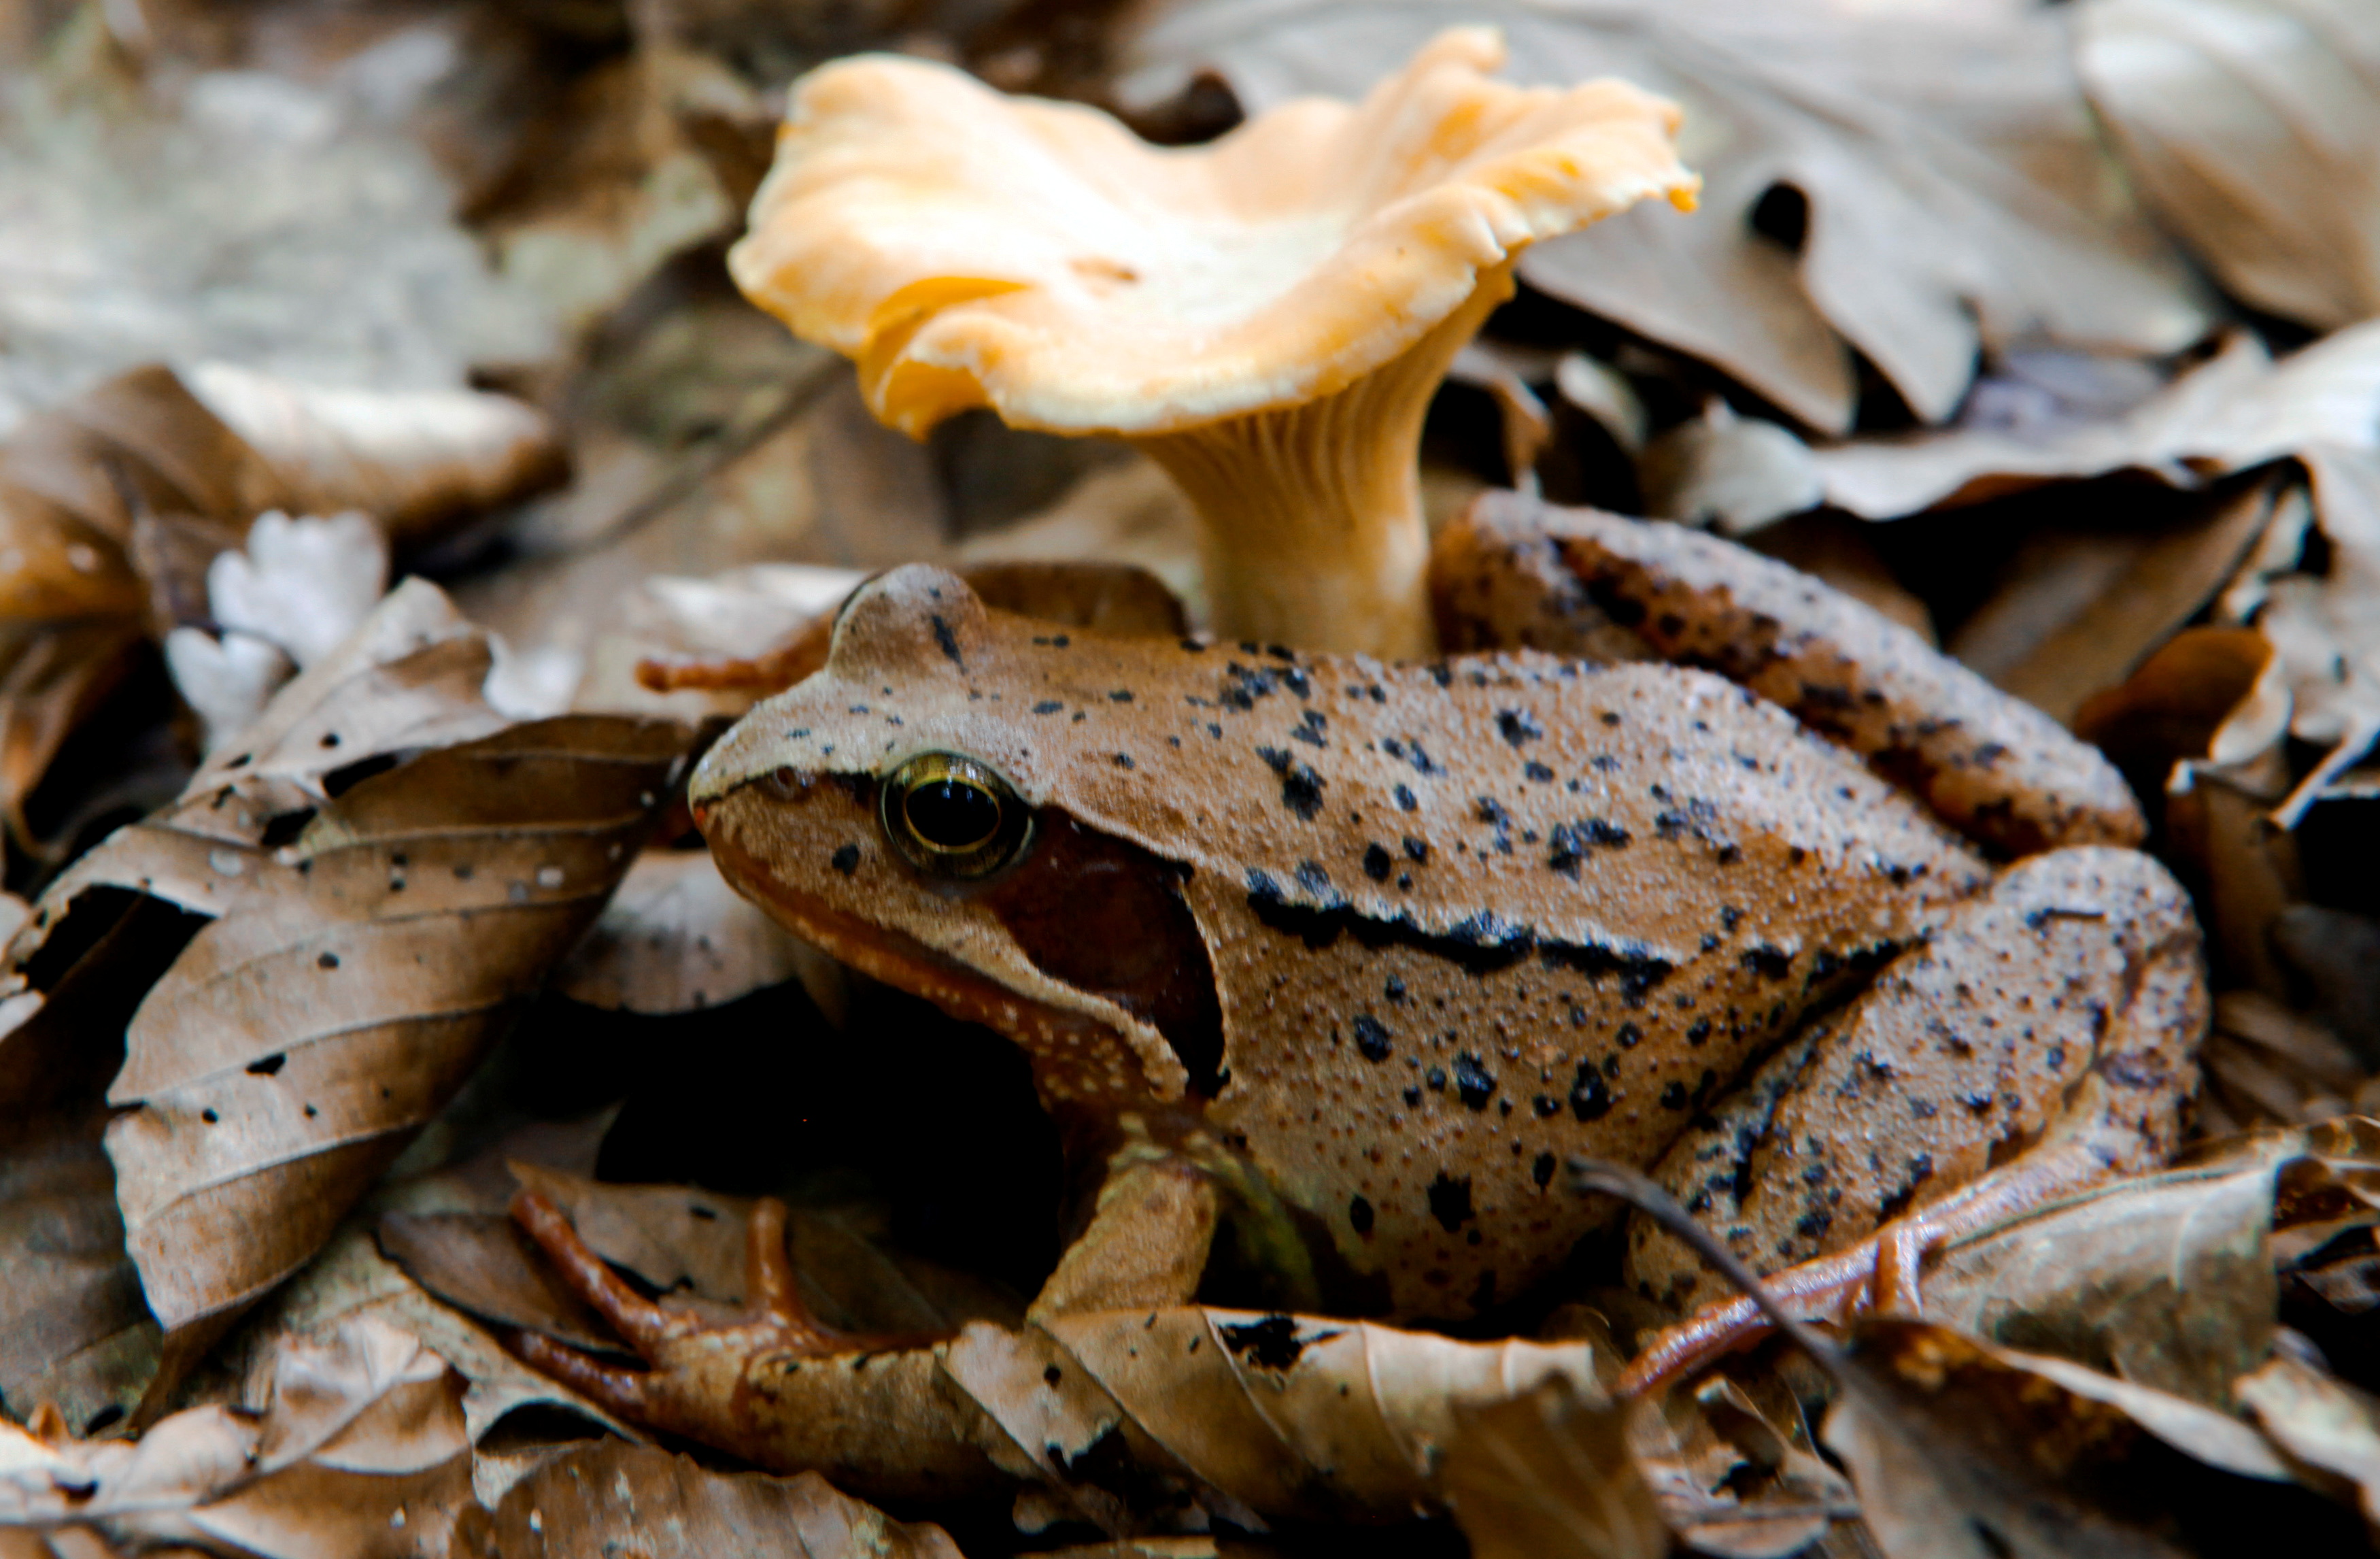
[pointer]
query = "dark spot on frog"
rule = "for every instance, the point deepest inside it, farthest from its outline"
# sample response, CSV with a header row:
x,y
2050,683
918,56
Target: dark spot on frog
x,y
1674,1096
1123,760
1359,1215
845,860
1412,1094
327,961
1436,1077
1539,773
1048,706
1473,1082
1301,787
1570,843
1417,850
1122,695
267,1066
1542,1172
1406,799
1589,1098
1271,1344
947,639
1395,988
1767,960
1629,1035
1450,1200
1609,717
1518,726
1545,1105
1053,1375
1377,862
1488,810
1309,729
1373,1040
1699,1031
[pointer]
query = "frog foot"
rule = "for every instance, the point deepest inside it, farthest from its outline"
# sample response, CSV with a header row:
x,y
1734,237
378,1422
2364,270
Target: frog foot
x,y
1881,1274
692,1362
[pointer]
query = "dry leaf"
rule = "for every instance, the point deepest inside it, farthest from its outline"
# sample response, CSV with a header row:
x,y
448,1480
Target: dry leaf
x,y
2320,1423
2236,411
247,216
351,976
611,1498
414,460
1729,1482
1938,170
349,1279
1128,513
2159,583
1734,473
358,1449
2271,1067
1120,1413
1971,1452
1546,1474
2167,1279
677,938
2248,125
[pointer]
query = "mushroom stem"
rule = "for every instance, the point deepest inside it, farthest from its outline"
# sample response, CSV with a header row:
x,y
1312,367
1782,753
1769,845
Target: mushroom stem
x,y
1311,514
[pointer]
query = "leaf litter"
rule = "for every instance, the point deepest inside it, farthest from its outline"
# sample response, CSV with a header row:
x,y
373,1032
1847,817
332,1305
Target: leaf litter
x,y
1955,298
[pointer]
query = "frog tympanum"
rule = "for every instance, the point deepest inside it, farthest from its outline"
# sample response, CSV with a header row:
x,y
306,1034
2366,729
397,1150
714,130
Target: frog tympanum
x,y
1360,954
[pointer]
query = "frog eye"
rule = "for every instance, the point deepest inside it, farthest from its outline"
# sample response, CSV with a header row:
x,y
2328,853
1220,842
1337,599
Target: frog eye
x,y
951,817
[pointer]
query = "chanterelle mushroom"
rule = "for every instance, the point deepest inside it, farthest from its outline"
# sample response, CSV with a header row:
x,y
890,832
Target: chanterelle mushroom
x,y
1267,316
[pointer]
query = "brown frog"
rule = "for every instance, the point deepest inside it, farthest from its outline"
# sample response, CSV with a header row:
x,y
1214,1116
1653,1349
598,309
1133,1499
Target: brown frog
x,y
1351,956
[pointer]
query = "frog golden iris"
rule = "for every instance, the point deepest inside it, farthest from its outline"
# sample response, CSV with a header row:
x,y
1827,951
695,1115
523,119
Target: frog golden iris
x,y
953,816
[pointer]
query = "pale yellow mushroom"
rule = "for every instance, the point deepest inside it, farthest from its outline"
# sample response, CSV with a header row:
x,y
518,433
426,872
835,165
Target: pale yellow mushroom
x,y
1267,316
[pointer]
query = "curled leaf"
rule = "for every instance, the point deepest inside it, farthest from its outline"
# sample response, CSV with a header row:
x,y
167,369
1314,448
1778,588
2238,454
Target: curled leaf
x,y
616,1498
358,1448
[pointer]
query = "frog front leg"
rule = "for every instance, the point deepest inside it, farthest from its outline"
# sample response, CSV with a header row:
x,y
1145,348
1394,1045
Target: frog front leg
x,y
2041,1041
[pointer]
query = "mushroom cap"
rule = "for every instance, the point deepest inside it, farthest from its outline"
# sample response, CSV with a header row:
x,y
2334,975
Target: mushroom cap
x,y
967,248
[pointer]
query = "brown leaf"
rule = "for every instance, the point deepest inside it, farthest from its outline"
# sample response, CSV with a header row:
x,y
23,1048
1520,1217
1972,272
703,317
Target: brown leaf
x,y
55,677
1736,474
614,1498
677,938
414,460
1971,1452
1128,513
2320,1423
1284,1415
2248,124
2238,410
2166,581
2167,1279
358,1449
349,1279
1730,1481
1936,170
1546,1474
350,978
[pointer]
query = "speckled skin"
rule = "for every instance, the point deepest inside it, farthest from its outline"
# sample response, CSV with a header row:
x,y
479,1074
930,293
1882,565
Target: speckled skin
x,y
1462,921
1513,571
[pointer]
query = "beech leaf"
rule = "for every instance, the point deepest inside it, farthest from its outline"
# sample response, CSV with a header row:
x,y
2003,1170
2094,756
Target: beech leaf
x,y
358,1449
2248,125
1946,180
350,978
611,1497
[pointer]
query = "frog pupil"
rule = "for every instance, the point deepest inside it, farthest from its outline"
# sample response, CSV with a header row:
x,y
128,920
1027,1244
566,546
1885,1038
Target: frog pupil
x,y
951,814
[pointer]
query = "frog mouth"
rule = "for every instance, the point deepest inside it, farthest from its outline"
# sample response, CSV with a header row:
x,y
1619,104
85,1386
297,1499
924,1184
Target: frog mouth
x,y
1076,1055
